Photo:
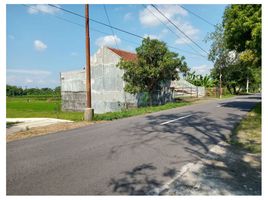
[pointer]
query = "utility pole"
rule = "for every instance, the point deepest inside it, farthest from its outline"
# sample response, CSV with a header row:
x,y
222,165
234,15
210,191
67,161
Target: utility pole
x,y
89,112
220,84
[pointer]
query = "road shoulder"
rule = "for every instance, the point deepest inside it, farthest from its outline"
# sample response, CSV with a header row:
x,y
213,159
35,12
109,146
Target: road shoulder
x,y
225,170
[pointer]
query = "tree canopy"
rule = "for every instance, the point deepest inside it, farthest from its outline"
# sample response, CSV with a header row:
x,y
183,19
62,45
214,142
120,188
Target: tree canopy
x,y
154,67
236,48
242,29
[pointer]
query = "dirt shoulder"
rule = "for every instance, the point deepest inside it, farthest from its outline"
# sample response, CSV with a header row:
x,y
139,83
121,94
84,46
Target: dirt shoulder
x,y
44,130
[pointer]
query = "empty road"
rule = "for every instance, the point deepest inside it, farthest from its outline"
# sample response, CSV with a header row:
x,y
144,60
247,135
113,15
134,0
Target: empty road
x,y
126,156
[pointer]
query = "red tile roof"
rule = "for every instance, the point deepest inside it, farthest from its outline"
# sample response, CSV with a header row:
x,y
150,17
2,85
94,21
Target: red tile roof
x,y
124,54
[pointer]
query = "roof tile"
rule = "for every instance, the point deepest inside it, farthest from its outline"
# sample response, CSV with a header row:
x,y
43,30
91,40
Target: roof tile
x,y
124,54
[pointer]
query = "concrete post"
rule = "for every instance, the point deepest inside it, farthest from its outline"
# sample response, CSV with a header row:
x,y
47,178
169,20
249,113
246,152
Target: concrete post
x,y
89,114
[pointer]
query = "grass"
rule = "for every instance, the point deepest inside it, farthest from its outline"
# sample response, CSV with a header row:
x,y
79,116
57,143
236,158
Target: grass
x,y
247,134
10,124
138,111
224,96
26,108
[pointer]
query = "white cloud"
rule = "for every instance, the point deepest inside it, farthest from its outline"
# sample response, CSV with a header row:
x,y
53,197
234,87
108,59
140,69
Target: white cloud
x,y
28,71
202,69
108,40
151,17
128,16
39,45
43,8
189,30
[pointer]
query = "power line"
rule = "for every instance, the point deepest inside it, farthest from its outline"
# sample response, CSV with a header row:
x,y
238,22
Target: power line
x,y
95,30
81,25
198,16
170,29
96,21
179,29
110,25
116,28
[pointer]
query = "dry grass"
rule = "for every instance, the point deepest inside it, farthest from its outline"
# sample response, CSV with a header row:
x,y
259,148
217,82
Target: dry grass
x,y
248,133
44,130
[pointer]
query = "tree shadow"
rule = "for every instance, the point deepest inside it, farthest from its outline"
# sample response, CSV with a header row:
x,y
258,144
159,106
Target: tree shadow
x,y
179,142
135,181
227,172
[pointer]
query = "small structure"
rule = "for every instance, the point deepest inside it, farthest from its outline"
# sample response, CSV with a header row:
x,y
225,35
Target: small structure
x,y
182,88
107,85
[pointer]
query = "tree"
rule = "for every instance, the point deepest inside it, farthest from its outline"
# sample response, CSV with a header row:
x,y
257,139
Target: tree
x,y
14,90
242,29
242,33
155,66
219,54
199,80
57,90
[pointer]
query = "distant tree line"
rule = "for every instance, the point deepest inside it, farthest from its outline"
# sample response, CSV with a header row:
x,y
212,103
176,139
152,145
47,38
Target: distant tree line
x,y
18,91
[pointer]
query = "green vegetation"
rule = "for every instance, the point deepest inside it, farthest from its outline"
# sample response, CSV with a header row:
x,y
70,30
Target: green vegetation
x,y
154,67
236,48
138,111
12,91
25,107
199,80
247,134
9,124
31,107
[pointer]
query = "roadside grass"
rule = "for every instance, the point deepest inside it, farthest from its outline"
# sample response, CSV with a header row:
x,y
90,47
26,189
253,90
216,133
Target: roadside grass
x,y
247,135
224,96
10,124
51,108
26,108
138,111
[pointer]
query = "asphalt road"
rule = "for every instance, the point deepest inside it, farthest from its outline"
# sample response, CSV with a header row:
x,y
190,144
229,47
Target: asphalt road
x,y
126,156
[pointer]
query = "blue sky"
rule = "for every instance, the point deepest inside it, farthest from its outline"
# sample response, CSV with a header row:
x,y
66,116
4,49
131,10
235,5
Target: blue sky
x,y
40,45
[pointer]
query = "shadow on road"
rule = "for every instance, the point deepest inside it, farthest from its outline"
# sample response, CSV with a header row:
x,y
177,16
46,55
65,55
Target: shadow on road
x,y
225,171
241,105
136,181
185,141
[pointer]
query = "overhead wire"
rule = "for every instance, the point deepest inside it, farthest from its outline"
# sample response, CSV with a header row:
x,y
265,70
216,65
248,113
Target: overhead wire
x,y
106,13
171,30
170,21
113,27
198,16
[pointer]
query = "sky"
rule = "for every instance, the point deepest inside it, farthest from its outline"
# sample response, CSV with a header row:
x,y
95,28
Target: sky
x,y
43,41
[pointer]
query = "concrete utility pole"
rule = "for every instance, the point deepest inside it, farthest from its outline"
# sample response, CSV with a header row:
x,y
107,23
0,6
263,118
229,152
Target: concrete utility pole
x,y
247,84
89,112
220,84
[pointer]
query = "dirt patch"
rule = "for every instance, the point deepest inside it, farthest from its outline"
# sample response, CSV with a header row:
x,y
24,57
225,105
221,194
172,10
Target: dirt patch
x,y
44,130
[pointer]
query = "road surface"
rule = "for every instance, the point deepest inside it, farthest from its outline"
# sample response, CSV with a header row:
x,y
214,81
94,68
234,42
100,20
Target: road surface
x,y
129,156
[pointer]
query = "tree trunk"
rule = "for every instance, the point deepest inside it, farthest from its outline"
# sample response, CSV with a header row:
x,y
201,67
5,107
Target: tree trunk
x,y
234,89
